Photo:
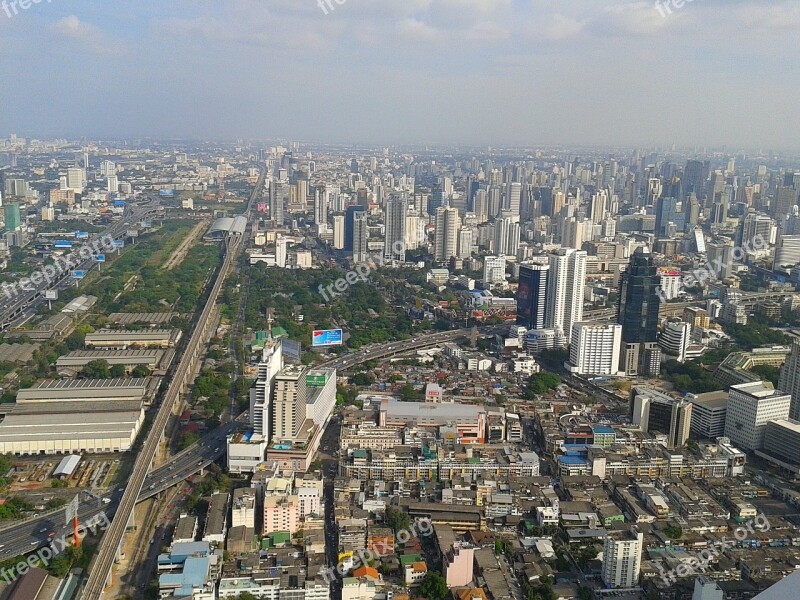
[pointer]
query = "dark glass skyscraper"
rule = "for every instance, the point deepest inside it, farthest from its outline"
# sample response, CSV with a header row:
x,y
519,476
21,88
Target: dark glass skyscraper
x,y
666,213
639,302
532,295
349,218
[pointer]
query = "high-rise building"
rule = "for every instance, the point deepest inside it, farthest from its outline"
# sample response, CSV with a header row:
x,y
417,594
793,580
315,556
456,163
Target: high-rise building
x,y
638,314
750,407
261,393
789,380
755,231
278,199
674,339
360,237
112,184
320,207
667,215
622,559
656,412
446,234
288,402
691,212
465,242
349,222
532,296
720,255
599,206
494,269
706,588
785,199
395,231
76,179
338,232
513,198
594,348
708,414
281,245
12,216
436,200
565,288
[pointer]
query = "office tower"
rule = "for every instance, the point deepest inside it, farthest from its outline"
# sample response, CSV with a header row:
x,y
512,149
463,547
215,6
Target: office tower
x,y
107,168
720,255
655,412
495,205
480,205
708,414
695,174
278,200
333,199
415,230
494,269
76,179
360,237
465,242
691,212
436,200
112,184
15,187
654,190
261,393
338,232
594,348
719,209
395,231
782,440
674,339
599,206
532,296
12,216
349,222
320,207
706,588
638,314
288,402
789,380
354,166
787,253
565,288
667,214
513,198
755,231
750,407
559,199
622,559
574,233
446,234
785,199
281,245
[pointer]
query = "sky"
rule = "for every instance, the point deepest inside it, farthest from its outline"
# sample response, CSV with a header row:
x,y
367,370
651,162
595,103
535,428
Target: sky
x,y
711,73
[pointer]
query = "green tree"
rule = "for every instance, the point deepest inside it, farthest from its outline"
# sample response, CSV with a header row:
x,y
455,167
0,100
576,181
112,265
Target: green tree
x,y
434,586
96,369
118,371
140,371
397,519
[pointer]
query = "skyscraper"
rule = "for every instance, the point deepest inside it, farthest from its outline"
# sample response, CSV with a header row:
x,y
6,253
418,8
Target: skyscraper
x,y
289,402
594,348
395,230
278,198
261,393
532,296
349,220
638,314
666,214
565,287
11,216
446,234
750,407
338,232
320,206
360,237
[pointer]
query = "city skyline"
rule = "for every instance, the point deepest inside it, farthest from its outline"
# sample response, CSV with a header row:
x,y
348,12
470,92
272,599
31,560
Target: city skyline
x,y
505,72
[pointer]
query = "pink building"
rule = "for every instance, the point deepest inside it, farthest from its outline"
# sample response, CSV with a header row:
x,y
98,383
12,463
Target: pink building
x,y
281,513
458,562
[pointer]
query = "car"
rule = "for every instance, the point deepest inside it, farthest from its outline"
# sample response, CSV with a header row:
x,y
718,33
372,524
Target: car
x,y
106,500
36,543
43,530
152,486
199,462
216,449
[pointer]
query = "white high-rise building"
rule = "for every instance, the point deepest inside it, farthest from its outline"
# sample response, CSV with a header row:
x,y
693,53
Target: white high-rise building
x,y
674,339
281,244
446,235
112,184
513,197
338,232
395,231
320,207
360,237
261,393
622,559
107,167
594,348
750,407
76,179
288,402
565,288
494,269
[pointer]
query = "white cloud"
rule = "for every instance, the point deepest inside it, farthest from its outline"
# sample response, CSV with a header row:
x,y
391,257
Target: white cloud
x,y
72,29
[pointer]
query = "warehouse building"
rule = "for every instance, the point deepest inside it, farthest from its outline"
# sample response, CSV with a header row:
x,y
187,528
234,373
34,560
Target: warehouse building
x,y
69,426
157,361
139,389
112,339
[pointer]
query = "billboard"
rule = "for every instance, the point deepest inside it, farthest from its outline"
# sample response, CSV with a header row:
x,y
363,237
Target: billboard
x,y
261,207
82,235
62,244
78,274
168,193
51,294
119,203
326,337
316,379
119,244
100,258
147,224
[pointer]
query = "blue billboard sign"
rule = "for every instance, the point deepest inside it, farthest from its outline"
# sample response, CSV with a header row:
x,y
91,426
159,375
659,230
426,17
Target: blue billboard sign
x,y
63,244
168,193
147,224
78,274
119,203
326,337
82,235
100,258
119,244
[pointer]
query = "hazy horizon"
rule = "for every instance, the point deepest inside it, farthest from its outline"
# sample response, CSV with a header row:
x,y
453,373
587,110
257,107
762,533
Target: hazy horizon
x,y
477,73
